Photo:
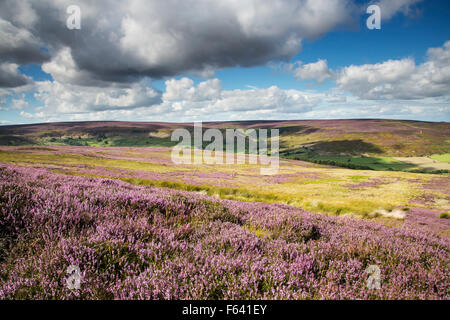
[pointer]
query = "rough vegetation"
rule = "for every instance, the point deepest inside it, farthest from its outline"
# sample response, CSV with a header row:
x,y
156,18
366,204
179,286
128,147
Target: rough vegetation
x,y
106,197
374,138
316,188
135,242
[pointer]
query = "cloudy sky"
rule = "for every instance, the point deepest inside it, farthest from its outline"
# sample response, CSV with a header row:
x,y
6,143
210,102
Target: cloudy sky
x,y
200,60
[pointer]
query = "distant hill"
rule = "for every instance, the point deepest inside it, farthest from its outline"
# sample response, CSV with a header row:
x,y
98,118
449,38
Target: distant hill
x,y
320,138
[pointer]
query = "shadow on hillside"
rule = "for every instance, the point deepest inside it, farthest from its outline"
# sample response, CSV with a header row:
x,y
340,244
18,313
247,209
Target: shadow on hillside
x,y
341,147
347,147
297,130
351,154
9,140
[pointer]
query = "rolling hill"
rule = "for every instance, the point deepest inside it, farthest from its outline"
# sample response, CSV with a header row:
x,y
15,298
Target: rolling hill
x,y
357,144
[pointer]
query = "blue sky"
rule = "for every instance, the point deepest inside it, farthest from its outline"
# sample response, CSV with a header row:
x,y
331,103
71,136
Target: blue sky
x,y
311,80
400,37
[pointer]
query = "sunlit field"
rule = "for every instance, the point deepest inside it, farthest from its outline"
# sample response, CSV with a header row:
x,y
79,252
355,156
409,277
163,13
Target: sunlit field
x,y
388,197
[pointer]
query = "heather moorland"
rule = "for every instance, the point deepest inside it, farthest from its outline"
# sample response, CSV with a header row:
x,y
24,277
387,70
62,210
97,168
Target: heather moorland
x,y
135,242
142,227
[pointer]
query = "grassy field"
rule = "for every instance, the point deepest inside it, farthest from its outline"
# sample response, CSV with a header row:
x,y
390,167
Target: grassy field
x,y
441,157
317,188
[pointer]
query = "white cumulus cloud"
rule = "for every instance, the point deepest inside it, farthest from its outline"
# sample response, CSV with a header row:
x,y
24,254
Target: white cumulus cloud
x,y
318,71
400,79
390,8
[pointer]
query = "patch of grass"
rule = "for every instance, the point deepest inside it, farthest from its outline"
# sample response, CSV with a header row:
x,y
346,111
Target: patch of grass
x,y
362,162
445,215
441,157
359,178
260,233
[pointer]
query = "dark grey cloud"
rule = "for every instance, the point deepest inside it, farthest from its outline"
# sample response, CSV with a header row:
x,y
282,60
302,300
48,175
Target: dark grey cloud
x,y
10,76
123,41
18,45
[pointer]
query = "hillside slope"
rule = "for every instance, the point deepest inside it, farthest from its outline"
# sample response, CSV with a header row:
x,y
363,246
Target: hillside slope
x,y
376,138
136,242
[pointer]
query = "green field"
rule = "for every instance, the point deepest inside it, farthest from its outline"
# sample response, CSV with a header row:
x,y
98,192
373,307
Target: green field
x,y
441,157
363,162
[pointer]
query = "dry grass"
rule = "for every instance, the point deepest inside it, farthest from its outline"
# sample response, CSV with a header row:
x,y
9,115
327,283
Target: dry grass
x,y
425,163
317,188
